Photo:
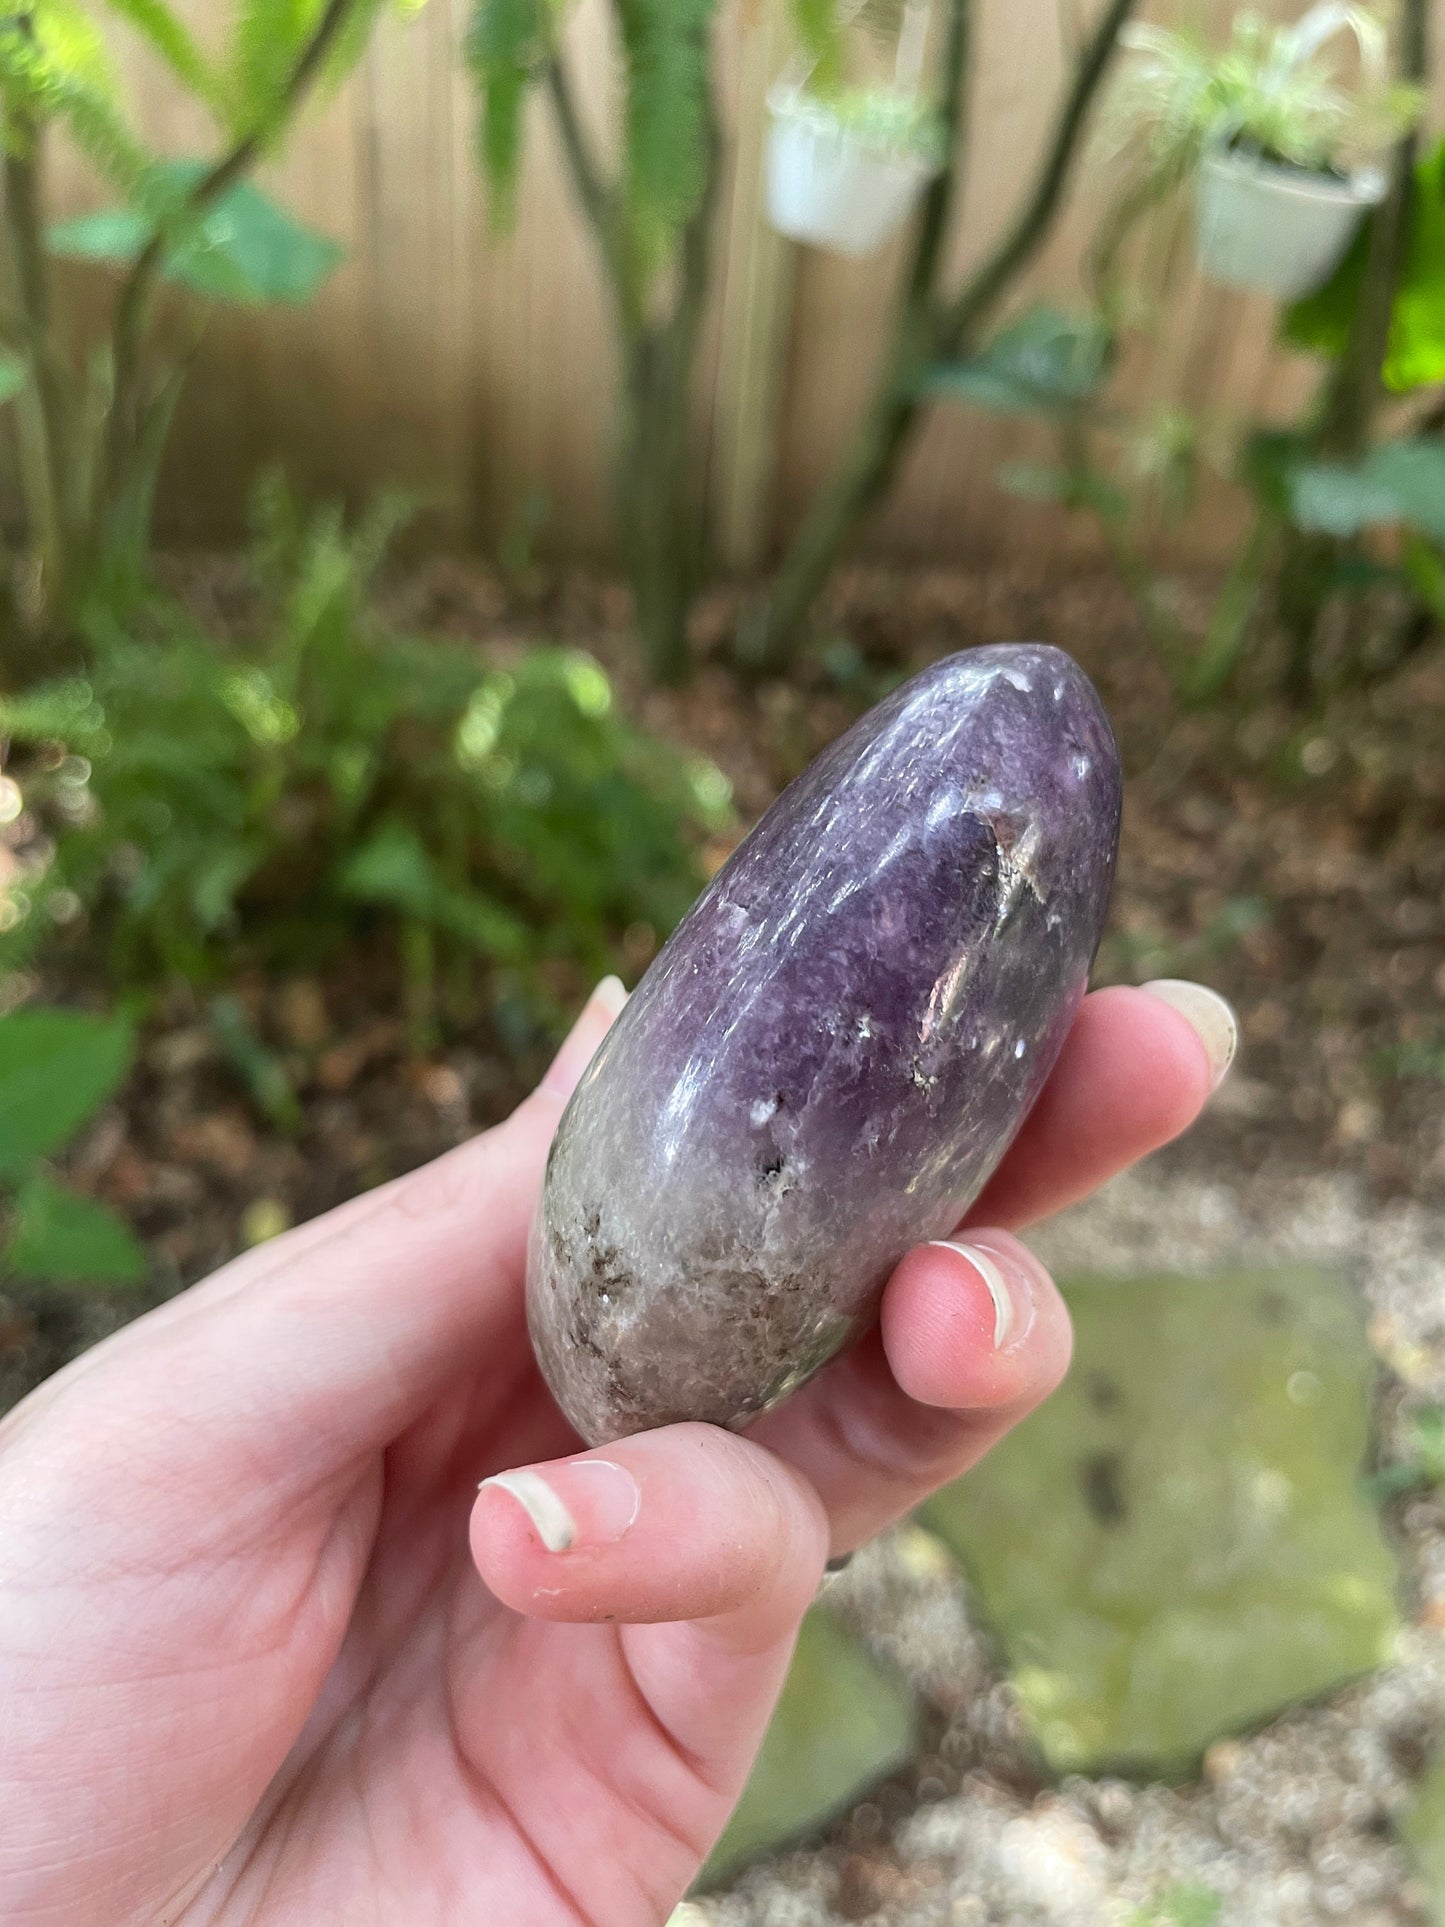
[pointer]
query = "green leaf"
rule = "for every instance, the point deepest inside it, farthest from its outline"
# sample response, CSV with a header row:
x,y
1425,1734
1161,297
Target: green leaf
x,y
54,65
71,1240
1045,361
506,50
1398,484
266,41
1415,356
395,868
665,121
172,40
56,1068
245,249
14,373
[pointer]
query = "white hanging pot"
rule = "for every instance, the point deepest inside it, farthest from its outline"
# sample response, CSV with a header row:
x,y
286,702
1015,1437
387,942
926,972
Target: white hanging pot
x,y
827,186
1278,230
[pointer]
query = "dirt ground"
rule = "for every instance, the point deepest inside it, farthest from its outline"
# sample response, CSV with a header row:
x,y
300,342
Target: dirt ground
x,y
1298,866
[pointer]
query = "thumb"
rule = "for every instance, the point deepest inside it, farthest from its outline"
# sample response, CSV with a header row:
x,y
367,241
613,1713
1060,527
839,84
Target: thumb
x,y
708,1549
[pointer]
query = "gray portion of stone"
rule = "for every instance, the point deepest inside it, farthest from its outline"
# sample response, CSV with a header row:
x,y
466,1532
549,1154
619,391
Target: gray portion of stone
x,y
830,1055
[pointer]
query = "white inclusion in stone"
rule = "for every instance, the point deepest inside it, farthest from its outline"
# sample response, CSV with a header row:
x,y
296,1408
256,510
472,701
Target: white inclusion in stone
x,y
762,1109
1058,692
1019,680
1082,766
1020,1047
865,1025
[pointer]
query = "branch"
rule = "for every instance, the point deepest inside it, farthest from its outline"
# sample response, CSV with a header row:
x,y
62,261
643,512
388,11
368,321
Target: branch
x,y
133,303
1028,232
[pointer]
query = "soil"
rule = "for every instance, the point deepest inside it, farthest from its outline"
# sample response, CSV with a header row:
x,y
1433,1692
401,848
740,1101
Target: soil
x,y
1296,863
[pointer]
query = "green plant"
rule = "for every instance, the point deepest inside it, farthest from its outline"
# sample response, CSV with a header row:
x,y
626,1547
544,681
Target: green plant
x,y
93,419
885,120
1263,92
487,832
933,325
57,1067
650,217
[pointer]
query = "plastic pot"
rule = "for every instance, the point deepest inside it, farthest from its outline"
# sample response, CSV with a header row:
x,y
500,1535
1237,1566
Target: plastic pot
x,y
827,187
1278,230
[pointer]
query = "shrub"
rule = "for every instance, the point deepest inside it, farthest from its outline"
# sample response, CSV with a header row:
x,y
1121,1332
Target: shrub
x,y
196,809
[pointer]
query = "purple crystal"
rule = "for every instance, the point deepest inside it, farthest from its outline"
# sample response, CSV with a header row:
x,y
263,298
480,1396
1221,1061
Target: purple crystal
x,y
832,1052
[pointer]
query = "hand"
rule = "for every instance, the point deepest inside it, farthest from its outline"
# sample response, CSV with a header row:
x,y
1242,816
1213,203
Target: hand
x,y
248,1671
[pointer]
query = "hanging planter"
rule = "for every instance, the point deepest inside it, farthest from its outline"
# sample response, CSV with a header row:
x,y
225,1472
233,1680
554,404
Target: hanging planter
x,y
836,179
846,166
1282,154
1277,230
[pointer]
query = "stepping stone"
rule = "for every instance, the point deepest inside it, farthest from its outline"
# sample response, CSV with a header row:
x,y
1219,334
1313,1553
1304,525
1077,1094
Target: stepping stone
x,y
1179,1543
841,1726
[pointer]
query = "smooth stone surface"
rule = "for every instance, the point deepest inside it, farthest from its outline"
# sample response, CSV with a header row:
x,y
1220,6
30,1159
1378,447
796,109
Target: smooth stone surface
x,y
832,1052
1180,1542
840,1726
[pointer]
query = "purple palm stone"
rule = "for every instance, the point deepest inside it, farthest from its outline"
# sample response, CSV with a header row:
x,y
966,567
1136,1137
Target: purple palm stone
x,y
833,1051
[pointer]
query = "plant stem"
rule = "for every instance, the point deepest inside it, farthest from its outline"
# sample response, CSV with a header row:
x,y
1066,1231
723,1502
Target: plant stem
x,y
134,303
52,474
655,503
927,328
768,634
1030,230
1352,394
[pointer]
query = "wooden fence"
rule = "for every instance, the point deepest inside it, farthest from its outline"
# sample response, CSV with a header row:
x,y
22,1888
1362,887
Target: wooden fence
x,y
481,371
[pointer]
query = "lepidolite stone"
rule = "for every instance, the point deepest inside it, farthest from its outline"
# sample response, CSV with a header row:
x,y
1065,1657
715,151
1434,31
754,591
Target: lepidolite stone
x,y
832,1052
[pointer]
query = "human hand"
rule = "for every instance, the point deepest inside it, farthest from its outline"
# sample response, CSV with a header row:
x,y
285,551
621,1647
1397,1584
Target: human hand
x,y
248,1671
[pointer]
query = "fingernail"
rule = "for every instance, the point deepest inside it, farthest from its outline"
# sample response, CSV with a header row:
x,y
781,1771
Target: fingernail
x,y
1211,1018
1009,1287
610,995
576,1504
581,1041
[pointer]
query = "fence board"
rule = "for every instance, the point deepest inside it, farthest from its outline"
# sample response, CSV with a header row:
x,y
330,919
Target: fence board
x,y
480,369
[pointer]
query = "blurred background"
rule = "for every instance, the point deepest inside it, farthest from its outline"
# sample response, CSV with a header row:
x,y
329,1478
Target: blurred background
x,y
459,462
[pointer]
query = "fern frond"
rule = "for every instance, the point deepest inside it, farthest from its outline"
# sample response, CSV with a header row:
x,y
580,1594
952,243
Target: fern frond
x,y
169,37
54,66
507,49
666,47
266,41
351,42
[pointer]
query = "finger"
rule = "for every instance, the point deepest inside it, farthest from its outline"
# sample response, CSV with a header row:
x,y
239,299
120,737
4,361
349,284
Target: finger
x,y
708,1548
689,1522
354,1323
708,1551
1137,1069
970,1339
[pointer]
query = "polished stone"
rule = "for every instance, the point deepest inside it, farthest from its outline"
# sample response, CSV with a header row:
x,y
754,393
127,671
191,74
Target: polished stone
x,y
830,1055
